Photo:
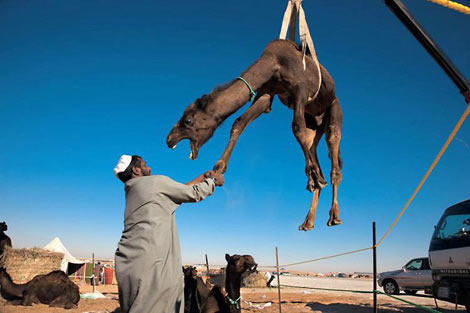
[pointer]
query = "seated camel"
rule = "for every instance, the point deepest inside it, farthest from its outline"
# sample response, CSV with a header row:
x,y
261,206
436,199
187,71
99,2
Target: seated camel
x,y
54,289
196,290
228,301
5,241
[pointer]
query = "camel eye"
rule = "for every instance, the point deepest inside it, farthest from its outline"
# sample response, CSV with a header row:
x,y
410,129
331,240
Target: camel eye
x,y
188,121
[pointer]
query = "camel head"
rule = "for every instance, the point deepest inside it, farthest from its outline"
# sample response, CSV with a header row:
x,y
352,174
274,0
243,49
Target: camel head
x,y
240,263
197,124
3,226
190,272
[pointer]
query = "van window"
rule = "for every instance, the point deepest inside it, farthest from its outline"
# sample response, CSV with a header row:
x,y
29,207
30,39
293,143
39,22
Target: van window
x,y
453,226
414,265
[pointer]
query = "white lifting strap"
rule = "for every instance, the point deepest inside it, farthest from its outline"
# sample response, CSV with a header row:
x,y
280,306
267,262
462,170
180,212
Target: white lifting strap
x,y
293,12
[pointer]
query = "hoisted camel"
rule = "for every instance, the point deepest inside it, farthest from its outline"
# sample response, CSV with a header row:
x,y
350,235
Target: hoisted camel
x,y
279,71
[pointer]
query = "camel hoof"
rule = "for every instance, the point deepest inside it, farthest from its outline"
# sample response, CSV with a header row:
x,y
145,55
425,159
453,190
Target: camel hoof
x,y
220,167
334,222
322,184
304,227
310,187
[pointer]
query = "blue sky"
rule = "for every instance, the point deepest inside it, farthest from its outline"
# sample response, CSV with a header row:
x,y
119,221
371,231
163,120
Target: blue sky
x,y
82,82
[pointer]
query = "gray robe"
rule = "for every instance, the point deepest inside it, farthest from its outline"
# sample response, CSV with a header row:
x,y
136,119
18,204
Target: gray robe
x,y
148,257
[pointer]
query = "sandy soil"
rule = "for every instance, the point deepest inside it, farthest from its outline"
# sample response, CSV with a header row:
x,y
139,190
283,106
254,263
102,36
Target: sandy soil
x,y
294,300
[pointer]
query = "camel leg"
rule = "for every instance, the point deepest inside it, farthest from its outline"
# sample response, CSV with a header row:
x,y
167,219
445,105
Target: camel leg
x,y
333,137
310,218
62,302
315,169
304,135
29,299
262,104
306,139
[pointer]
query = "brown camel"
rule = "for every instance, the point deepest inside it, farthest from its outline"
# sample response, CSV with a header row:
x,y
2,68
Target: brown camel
x,y
195,290
279,71
228,301
5,241
54,289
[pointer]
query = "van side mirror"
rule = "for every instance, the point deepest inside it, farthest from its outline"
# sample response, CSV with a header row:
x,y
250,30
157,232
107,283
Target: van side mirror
x,y
403,268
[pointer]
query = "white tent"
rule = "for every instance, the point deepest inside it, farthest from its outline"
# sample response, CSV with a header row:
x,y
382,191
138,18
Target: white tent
x,y
69,263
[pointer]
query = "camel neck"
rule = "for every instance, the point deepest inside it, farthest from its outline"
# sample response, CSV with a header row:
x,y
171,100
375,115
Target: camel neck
x,y
8,287
229,100
232,98
232,287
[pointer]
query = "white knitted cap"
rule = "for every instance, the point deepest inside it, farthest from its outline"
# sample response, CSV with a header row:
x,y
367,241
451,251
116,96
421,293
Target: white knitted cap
x,y
122,164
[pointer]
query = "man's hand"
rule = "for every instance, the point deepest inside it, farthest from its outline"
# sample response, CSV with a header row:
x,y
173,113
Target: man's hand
x,y
218,178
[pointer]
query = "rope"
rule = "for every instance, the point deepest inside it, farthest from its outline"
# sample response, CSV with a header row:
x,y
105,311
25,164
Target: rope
x,y
327,257
234,302
453,5
294,12
406,301
328,289
443,149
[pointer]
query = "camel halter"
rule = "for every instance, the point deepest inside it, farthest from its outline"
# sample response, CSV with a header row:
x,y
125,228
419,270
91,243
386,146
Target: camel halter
x,y
234,302
253,94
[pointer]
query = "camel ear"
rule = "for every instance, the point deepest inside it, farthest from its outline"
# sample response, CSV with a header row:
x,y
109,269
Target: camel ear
x,y
227,257
202,102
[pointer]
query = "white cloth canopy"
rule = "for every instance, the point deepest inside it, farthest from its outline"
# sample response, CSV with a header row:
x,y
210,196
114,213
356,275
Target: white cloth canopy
x,y
69,263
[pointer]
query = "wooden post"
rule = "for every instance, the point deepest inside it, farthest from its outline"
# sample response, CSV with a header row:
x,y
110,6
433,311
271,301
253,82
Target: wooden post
x,y
374,262
93,274
207,266
278,281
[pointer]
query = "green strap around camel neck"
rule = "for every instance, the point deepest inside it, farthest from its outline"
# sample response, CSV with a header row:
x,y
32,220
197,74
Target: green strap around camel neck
x,y
234,302
253,94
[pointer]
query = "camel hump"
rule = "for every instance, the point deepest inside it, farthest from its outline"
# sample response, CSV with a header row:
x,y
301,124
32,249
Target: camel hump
x,y
281,47
282,43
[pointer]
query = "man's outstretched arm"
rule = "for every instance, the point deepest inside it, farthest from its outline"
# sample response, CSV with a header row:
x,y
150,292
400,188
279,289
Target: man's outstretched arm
x,y
181,193
218,178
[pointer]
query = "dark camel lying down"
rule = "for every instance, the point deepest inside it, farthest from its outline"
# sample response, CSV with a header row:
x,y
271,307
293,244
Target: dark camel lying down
x,y
54,289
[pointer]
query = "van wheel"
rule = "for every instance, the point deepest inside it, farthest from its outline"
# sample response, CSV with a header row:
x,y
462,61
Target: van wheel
x,y
391,287
411,292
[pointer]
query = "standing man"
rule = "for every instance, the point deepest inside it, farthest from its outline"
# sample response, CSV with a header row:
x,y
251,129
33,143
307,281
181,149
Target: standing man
x,y
148,257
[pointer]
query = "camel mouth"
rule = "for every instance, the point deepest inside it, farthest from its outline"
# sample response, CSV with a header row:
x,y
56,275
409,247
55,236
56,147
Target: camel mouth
x,y
194,149
253,268
172,142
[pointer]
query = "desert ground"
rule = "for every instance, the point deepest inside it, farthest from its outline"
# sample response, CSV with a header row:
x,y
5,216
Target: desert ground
x,y
296,300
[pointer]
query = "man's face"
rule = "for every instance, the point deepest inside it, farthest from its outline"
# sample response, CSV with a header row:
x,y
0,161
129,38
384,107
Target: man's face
x,y
144,168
